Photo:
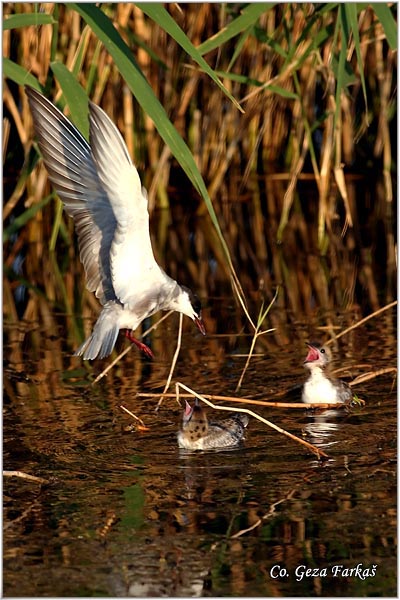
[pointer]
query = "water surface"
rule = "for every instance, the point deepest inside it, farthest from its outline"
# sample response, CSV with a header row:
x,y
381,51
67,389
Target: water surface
x,y
129,514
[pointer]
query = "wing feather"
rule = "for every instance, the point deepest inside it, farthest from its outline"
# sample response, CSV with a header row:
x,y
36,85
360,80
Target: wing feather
x,y
72,171
133,267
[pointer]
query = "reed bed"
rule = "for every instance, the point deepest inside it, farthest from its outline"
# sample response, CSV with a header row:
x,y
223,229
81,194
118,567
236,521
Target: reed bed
x,y
290,125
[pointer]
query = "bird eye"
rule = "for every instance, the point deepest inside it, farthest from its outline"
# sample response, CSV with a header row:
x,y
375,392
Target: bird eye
x,y
322,350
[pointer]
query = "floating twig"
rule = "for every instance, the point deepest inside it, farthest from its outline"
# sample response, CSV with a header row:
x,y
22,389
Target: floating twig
x,y
212,397
311,447
142,425
111,520
23,475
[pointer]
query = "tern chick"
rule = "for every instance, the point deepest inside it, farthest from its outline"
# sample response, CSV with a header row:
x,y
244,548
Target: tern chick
x,y
320,386
198,433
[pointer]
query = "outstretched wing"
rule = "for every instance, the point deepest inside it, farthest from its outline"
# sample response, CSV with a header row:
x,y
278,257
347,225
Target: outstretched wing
x,y
73,174
133,267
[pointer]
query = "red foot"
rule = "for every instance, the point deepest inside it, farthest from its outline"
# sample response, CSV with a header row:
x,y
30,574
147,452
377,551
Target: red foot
x,y
140,345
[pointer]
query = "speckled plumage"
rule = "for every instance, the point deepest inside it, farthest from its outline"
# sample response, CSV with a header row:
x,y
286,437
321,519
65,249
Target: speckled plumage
x,y
197,433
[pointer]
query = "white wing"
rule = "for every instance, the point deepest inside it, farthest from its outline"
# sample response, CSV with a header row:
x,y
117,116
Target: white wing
x,y
72,171
134,270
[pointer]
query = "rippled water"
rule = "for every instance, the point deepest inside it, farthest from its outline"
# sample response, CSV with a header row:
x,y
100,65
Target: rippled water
x,y
129,514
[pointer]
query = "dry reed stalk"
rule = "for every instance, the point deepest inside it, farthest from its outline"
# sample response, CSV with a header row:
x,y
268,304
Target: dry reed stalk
x,y
317,451
362,321
127,102
348,133
257,334
296,167
111,519
264,517
26,476
173,364
323,178
10,310
142,425
124,13
258,232
103,77
340,178
158,192
229,142
82,45
12,107
372,375
74,41
383,143
6,136
214,397
221,167
12,201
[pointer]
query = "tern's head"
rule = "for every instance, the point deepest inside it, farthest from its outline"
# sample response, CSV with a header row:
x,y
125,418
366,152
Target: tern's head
x,y
318,356
188,303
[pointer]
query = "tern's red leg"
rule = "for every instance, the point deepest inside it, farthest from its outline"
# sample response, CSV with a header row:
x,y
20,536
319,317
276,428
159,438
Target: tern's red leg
x,y
139,344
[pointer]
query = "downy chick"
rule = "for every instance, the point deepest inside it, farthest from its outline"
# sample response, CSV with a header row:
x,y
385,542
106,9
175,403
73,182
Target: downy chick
x,y
197,433
320,386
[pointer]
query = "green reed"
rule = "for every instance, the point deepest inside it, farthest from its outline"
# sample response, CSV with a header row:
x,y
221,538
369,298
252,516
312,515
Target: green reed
x,y
264,108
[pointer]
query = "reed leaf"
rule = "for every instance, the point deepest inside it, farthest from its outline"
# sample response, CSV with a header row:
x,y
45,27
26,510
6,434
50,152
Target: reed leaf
x,y
75,96
250,15
19,75
277,89
341,70
27,19
56,226
292,66
351,13
160,16
137,83
386,19
80,54
239,46
244,79
54,36
26,216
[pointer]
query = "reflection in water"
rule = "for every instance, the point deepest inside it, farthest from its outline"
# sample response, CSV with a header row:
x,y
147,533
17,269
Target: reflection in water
x,y
132,515
322,430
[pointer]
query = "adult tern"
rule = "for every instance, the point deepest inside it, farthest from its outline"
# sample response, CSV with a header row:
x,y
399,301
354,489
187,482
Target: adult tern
x,y
101,190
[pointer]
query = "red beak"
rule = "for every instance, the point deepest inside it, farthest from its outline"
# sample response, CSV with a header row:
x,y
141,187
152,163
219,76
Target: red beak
x,y
312,355
200,325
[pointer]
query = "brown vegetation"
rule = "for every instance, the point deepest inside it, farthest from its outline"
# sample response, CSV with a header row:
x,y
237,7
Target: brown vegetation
x,y
305,202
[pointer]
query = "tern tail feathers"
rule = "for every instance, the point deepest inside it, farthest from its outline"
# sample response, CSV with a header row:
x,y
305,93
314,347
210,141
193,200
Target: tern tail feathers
x,y
105,332
99,344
